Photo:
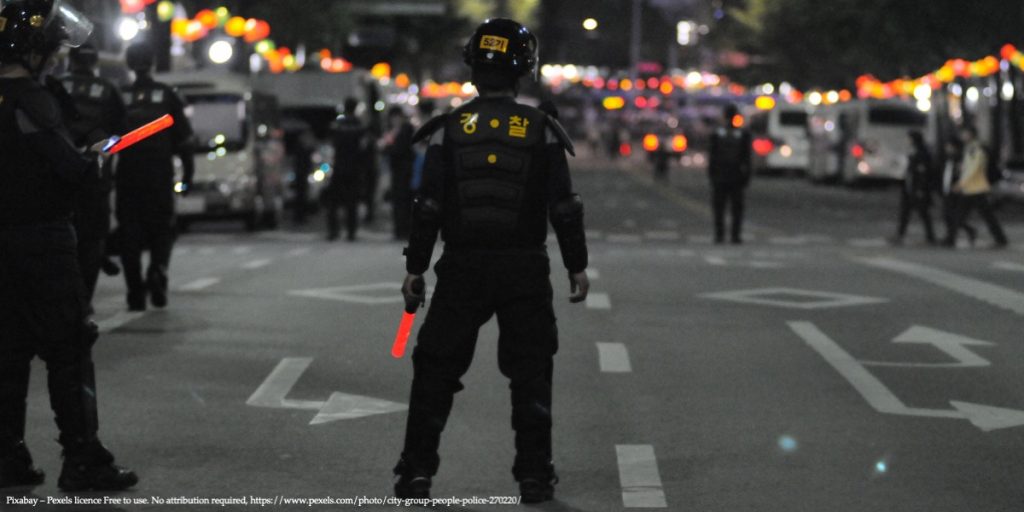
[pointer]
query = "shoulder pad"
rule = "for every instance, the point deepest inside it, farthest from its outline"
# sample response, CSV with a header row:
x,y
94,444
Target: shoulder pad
x,y
429,128
41,108
560,132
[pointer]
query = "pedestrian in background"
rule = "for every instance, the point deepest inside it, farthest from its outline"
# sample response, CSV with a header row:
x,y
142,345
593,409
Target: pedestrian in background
x,y
915,192
300,144
397,145
351,140
729,171
954,154
146,181
975,189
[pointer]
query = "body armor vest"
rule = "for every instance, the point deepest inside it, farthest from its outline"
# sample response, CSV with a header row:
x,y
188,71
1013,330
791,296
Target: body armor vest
x,y
145,103
493,146
91,96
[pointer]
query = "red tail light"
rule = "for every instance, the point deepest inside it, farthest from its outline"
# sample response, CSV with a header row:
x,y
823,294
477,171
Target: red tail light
x,y
651,143
763,146
679,143
625,149
857,151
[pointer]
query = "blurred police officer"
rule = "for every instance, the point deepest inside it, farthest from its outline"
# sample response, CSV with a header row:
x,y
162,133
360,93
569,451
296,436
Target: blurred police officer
x,y
916,192
397,144
496,171
42,297
98,114
146,181
351,140
729,171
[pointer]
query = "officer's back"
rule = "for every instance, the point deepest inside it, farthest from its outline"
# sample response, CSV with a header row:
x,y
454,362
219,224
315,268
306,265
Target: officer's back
x,y
729,155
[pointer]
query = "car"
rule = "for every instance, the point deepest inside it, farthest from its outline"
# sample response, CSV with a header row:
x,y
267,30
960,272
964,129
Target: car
x,y
871,140
1011,187
780,139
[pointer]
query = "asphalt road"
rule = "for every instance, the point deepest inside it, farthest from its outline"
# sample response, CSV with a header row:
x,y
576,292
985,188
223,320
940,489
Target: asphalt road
x,y
812,368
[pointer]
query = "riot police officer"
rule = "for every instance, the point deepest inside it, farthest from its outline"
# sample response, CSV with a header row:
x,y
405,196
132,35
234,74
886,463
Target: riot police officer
x,y
98,115
145,182
495,172
352,157
729,171
43,309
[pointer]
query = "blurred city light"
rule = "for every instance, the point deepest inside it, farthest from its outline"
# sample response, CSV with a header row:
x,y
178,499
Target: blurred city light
x,y
221,52
686,33
128,29
590,24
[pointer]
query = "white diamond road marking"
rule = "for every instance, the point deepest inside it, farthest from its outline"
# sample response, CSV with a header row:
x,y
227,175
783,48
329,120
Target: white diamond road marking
x,y
638,473
599,301
778,297
614,358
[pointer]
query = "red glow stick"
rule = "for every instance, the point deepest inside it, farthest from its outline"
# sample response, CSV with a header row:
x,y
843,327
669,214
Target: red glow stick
x,y
408,317
402,337
140,134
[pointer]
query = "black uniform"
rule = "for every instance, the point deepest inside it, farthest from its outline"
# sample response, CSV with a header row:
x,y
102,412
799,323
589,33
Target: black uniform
x,y
495,172
401,158
43,305
729,171
916,194
145,188
352,155
99,114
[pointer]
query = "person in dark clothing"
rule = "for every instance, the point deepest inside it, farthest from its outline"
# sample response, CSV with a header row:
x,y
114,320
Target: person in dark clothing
x,y
98,113
915,192
729,171
299,143
146,182
496,172
351,141
43,304
397,145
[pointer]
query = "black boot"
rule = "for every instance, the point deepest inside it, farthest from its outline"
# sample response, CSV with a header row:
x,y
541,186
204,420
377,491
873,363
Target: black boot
x,y
16,468
136,300
538,489
88,466
157,282
411,484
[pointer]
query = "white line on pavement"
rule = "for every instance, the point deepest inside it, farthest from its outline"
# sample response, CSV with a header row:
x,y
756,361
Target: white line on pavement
x,y
199,284
206,251
1006,265
599,301
662,235
241,250
717,261
275,389
619,238
118,320
593,273
256,264
594,234
867,243
641,481
986,292
301,251
614,358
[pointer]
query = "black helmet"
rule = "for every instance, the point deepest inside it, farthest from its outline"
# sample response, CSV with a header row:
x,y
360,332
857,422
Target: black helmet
x,y
504,46
40,27
140,57
84,58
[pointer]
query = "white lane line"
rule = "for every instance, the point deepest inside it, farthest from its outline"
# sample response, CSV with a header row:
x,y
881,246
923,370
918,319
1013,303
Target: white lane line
x,y
986,292
619,238
599,301
614,358
256,264
301,251
662,235
199,284
641,481
593,273
717,261
275,389
120,319
239,251
1006,265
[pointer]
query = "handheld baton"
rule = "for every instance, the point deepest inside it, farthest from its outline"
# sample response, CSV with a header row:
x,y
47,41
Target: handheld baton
x,y
117,144
408,317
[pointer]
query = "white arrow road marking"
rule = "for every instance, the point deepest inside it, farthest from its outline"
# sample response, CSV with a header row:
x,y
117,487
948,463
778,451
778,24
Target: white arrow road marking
x,y
986,292
274,391
954,345
199,284
599,301
638,473
883,400
614,358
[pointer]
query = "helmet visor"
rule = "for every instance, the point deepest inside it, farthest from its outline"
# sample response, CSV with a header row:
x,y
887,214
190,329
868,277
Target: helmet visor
x,y
67,26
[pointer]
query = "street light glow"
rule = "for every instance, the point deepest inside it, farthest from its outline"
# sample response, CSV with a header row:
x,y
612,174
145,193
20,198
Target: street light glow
x,y
128,29
221,52
590,24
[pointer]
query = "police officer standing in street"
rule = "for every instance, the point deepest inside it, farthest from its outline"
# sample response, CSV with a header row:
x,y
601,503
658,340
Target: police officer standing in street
x,y
495,172
729,171
98,114
43,308
351,140
146,182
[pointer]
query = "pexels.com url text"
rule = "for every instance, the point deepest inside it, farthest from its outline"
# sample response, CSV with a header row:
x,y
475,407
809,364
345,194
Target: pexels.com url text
x,y
258,501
